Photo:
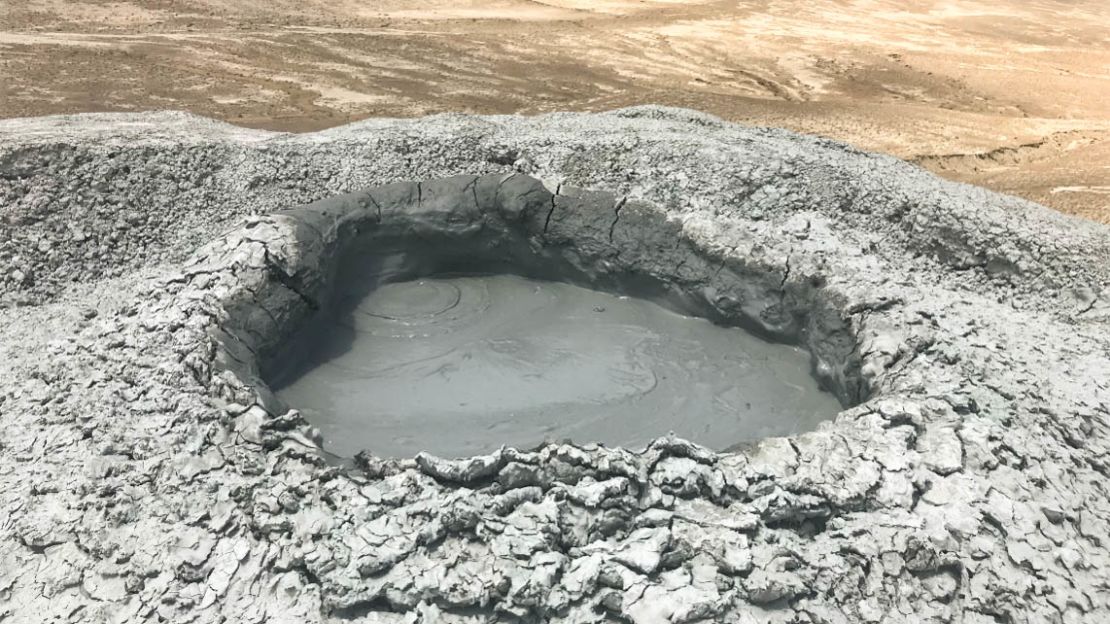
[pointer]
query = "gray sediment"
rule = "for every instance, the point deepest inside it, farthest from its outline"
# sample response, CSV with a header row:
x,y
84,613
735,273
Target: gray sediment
x,y
153,267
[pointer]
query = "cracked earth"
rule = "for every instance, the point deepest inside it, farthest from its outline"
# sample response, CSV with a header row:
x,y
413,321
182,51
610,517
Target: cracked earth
x,y
146,474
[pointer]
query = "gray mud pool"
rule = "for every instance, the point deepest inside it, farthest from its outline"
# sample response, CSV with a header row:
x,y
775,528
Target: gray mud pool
x,y
458,366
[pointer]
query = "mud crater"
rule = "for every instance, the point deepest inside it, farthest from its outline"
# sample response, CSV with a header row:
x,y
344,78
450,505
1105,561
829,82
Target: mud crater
x,y
454,316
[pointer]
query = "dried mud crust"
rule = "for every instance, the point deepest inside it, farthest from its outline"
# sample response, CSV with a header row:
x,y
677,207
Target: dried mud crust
x,y
143,475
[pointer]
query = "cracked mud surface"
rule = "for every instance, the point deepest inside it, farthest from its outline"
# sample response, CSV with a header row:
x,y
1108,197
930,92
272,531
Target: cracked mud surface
x,y
143,477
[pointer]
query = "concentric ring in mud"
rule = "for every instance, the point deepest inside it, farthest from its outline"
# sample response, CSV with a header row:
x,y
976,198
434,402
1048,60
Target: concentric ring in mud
x,y
419,302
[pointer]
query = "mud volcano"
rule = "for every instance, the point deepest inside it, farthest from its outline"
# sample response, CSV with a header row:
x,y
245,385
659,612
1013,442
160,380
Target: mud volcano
x,y
156,281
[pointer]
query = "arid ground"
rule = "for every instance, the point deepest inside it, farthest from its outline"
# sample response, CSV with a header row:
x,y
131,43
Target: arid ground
x,y
1013,95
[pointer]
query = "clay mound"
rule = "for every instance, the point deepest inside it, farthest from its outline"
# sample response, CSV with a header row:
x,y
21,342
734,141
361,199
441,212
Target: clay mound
x,y
146,474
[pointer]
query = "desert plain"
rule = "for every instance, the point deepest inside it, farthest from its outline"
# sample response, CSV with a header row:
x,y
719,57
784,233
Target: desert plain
x,y
1013,96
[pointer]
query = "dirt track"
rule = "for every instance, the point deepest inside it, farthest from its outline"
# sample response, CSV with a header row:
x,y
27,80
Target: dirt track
x,y
1016,99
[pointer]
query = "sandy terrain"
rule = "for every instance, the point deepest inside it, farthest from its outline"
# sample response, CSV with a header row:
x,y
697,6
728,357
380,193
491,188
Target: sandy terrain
x,y
1012,95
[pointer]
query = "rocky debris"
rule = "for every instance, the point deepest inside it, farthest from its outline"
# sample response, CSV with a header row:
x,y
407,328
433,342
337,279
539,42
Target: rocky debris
x,y
146,475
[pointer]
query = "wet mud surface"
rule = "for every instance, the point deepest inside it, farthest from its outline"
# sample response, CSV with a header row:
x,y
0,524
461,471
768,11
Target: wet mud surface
x,y
458,366
156,264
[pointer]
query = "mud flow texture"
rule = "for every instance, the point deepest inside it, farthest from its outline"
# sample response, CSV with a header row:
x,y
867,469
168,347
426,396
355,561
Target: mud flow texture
x,y
458,315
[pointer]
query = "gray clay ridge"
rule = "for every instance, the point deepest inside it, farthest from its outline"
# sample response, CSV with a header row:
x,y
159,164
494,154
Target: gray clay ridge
x,y
154,267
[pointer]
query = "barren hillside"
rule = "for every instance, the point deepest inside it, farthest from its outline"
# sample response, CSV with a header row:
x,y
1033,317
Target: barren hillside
x,y
1010,95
